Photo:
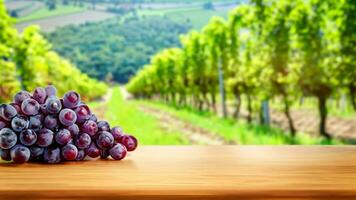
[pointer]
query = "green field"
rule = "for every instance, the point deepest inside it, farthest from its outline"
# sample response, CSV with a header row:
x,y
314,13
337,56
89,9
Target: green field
x,y
197,16
147,128
45,12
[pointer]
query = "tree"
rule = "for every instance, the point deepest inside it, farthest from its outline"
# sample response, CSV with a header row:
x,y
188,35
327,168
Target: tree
x,y
316,73
281,73
216,32
258,25
347,37
195,48
235,26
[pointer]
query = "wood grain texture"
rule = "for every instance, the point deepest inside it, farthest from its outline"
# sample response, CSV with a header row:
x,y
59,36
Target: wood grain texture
x,y
193,172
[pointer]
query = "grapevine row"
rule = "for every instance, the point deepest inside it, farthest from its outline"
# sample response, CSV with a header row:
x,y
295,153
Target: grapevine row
x,y
266,49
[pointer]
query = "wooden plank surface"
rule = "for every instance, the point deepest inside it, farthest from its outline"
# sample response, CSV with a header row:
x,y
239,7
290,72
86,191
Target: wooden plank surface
x,y
193,172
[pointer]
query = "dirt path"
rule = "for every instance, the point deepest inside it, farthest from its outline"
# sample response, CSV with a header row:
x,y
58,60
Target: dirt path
x,y
196,135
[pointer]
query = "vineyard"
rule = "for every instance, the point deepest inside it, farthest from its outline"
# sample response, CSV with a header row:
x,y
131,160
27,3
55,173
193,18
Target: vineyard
x,y
266,72
27,61
266,51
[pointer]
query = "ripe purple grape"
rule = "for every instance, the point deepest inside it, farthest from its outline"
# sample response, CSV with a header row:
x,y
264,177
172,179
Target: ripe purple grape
x,y
5,154
130,142
67,117
52,155
50,122
36,153
117,133
8,138
30,107
63,136
118,152
103,126
39,94
73,129
92,151
20,153
105,140
7,112
83,113
50,91
71,99
28,137
83,141
90,127
69,152
44,137
19,123
21,96
53,105
35,122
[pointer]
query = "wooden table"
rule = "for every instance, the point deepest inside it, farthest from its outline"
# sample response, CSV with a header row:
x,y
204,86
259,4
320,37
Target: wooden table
x,y
193,172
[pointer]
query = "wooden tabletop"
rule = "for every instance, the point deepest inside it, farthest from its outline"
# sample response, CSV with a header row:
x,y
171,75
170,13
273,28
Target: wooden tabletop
x,y
193,172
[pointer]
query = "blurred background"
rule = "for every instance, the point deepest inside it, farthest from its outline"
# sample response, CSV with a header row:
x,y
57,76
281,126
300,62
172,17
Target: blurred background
x,y
206,72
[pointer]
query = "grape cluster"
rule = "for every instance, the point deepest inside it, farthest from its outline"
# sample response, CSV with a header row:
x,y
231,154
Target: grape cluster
x,y
41,127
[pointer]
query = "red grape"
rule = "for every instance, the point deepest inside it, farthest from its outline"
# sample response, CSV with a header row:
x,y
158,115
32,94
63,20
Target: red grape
x,y
7,112
118,152
130,142
47,128
71,99
69,152
39,94
30,107
20,154
8,138
67,117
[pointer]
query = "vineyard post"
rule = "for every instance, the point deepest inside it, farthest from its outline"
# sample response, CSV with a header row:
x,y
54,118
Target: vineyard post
x,y
265,112
221,88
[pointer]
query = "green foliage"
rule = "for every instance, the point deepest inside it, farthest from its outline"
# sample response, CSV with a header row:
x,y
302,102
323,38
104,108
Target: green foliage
x,y
268,49
27,61
8,75
120,47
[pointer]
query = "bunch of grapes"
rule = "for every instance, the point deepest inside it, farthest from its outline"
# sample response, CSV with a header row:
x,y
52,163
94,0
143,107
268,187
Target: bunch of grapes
x,y
41,127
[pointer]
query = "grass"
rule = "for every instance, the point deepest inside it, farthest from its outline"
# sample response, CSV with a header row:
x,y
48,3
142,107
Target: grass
x,y
143,126
240,132
45,12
